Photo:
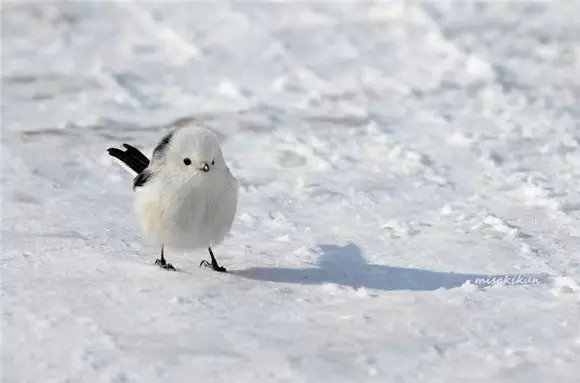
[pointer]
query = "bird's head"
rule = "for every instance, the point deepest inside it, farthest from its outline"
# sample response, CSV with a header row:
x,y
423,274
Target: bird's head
x,y
189,151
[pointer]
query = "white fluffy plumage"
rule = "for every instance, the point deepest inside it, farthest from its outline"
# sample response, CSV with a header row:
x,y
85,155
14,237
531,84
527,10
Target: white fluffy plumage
x,y
180,204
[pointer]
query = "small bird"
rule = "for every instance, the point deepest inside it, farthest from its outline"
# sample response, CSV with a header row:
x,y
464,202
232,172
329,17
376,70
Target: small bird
x,y
186,196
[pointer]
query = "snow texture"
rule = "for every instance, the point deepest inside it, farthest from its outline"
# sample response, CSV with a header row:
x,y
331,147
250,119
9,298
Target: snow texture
x,y
409,176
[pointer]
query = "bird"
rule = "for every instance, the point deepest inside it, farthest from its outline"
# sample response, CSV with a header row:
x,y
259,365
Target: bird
x,y
185,196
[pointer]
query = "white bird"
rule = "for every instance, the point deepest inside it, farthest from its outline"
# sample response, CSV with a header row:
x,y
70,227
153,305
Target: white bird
x,y
186,196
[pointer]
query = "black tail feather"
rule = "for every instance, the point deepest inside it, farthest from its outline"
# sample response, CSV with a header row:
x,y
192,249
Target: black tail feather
x,y
132,157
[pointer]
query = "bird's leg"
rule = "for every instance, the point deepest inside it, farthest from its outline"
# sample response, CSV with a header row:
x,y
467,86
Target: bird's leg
x,y
162,263
214,265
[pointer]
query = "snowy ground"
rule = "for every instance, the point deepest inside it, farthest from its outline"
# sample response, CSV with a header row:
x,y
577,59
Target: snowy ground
x,y
387,154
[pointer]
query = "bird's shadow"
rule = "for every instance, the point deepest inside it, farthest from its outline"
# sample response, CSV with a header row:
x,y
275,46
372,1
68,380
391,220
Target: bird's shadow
x,y
345,265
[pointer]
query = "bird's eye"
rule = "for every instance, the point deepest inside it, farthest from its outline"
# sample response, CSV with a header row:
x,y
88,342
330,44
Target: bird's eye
x,y
187,161
212,162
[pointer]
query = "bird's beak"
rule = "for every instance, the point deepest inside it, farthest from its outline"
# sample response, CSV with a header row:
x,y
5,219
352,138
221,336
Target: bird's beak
x,y
204,167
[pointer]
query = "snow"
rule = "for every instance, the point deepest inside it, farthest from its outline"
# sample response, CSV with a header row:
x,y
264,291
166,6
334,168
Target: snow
x,y
409,176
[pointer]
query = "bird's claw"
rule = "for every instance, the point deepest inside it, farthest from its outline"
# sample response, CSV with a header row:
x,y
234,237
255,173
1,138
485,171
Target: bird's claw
x,y
205,263
164,265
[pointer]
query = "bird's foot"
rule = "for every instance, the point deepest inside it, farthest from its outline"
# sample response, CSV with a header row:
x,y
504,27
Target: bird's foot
x,y
164,265
213,266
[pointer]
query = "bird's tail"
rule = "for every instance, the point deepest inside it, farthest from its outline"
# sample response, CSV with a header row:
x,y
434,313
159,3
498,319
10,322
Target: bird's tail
x,y
132,157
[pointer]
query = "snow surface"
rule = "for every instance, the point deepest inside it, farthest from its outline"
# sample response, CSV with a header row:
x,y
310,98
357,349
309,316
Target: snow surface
x,y
396,162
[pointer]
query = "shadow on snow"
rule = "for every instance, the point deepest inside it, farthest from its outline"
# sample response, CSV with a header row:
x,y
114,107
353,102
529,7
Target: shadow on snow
x,y
345,265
